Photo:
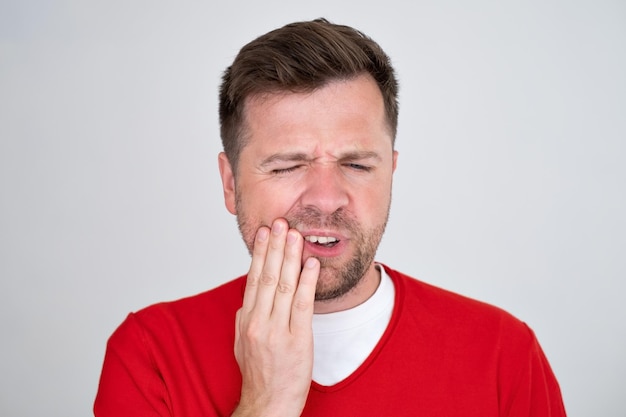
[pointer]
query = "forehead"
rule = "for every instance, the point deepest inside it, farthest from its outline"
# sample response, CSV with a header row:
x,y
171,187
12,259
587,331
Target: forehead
x,y
341,111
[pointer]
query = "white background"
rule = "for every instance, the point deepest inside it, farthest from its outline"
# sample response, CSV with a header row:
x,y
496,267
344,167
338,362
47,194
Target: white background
x,y
510,187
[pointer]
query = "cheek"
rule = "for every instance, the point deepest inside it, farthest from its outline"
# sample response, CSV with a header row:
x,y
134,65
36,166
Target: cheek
x,y
265,203
373,202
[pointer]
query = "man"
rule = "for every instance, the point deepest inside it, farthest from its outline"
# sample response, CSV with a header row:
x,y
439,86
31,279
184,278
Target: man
x,y
316,328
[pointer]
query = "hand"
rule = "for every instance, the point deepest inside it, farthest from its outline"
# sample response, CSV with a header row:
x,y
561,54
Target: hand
x,y
273,334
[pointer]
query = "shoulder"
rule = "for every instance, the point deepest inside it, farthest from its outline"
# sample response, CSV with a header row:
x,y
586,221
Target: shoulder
x,y
224,299
213,309
477,341
464,315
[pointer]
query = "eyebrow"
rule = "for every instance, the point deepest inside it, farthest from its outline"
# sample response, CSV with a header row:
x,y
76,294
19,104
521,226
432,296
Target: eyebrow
x,y
300,156
284,157
360,155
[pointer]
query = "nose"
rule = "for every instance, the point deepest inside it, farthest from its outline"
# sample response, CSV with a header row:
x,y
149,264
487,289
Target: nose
x,y
325,189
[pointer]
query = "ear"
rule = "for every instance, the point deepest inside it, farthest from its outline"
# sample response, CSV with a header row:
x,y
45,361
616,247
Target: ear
x,y
228,182
395,161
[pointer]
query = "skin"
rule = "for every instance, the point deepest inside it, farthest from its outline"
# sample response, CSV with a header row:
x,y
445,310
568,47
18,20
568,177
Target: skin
x,y
316,164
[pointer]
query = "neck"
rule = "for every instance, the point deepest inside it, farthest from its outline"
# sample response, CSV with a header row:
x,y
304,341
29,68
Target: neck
x,y
359,294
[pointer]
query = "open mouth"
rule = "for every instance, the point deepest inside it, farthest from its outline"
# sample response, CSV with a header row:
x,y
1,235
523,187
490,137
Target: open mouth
x,y
326,241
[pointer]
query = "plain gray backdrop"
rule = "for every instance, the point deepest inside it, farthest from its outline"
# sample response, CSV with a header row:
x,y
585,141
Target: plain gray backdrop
x,y
510,186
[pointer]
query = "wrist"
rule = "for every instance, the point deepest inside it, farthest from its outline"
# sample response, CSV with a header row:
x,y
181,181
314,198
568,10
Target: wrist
x,y
269,409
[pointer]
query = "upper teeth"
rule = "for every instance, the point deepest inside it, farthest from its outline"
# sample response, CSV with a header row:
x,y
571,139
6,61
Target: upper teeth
x,y
321,239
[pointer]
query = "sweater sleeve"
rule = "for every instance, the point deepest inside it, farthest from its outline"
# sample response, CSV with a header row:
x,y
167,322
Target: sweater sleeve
x,y
533,391
130,383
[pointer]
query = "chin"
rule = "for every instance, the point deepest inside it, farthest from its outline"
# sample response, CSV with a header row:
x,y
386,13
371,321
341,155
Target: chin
x,y
334,283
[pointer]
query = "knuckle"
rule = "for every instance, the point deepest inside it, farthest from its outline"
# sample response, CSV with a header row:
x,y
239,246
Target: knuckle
x,y
301,305
253,333
252,280
258,250
275,341
285,288
267,278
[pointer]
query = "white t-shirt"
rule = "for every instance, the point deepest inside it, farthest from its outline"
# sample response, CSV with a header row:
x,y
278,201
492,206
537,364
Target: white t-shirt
x,y
343,340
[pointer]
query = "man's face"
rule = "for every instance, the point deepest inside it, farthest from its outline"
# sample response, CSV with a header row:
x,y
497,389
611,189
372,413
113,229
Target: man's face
x,y
324,162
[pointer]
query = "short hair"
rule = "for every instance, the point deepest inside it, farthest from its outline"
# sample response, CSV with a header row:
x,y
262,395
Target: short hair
x,y
300,57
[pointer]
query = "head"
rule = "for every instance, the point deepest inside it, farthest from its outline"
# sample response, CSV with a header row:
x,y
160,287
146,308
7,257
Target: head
x,y
308,119
300,57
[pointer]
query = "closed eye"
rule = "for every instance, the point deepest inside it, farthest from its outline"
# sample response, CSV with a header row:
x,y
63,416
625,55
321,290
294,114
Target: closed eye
x,y
358,167
279,171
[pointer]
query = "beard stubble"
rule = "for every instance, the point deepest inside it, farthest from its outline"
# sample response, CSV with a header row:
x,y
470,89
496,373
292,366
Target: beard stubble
x,y
337,277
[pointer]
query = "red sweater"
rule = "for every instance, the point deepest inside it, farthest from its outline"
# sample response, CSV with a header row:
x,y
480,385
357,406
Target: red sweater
x,y
441,355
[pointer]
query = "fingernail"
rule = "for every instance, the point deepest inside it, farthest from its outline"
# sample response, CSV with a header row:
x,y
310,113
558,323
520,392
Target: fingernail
x,y
310,263
262,234
277,227
292,237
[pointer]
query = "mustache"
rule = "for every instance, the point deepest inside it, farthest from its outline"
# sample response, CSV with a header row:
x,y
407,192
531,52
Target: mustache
x,y
314,218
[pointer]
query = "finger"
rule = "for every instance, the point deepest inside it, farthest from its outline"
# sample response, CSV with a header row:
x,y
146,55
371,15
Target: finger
x,y
304,298
268,280
259,252
289,277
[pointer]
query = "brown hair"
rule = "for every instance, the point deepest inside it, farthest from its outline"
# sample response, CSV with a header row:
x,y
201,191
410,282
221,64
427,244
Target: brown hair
x,y
300,57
